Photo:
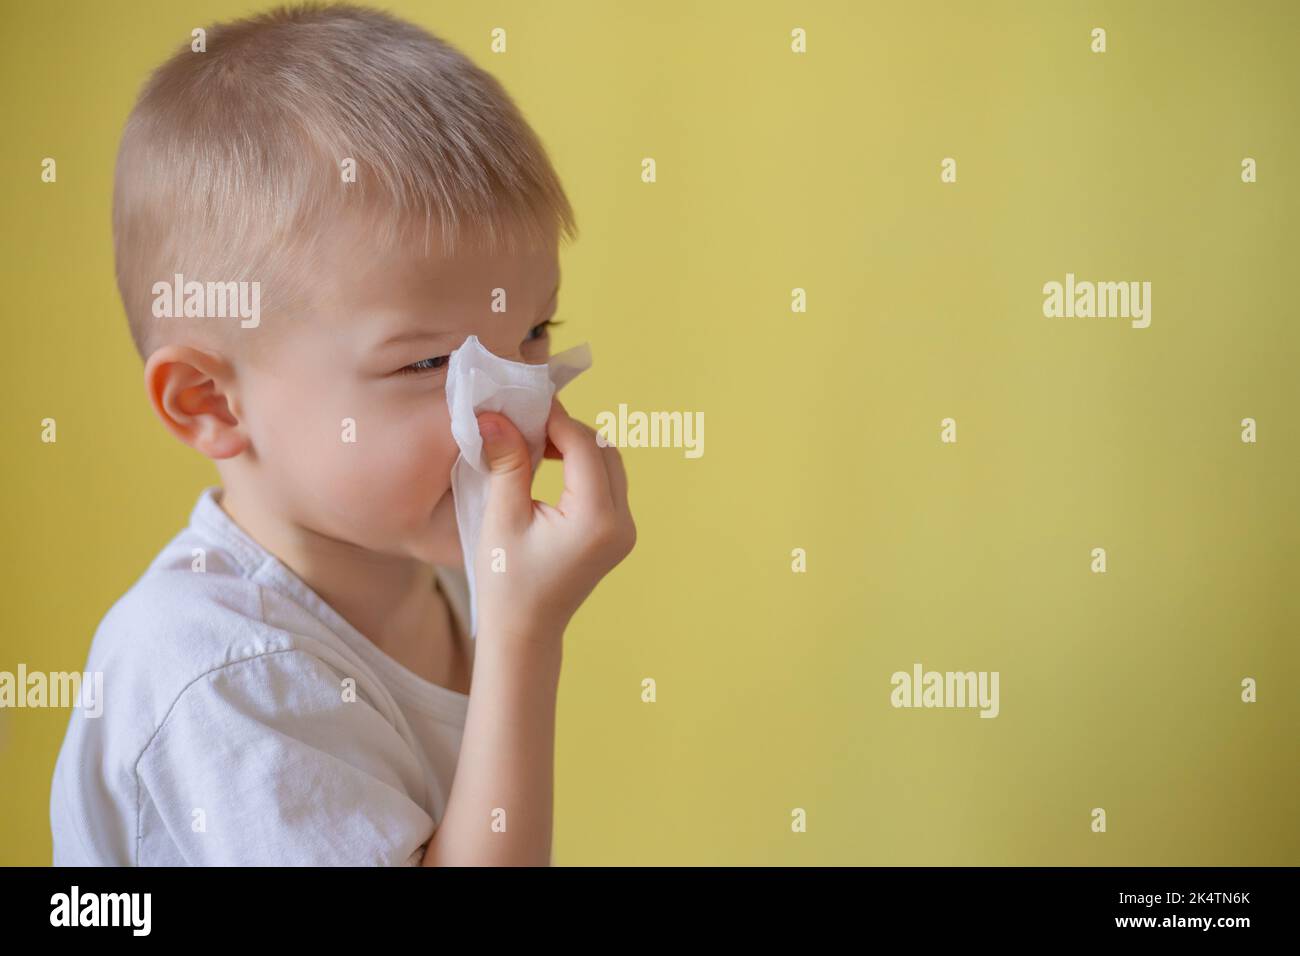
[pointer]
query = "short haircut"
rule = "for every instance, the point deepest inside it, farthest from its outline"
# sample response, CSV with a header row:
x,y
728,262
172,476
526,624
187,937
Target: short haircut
x,y
233,159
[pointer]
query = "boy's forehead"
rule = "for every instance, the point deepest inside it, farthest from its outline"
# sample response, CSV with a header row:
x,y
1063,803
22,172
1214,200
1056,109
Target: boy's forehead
x,y
468,279
381,299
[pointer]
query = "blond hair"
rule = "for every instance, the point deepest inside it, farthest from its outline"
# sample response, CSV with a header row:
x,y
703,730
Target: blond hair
x,y
233,159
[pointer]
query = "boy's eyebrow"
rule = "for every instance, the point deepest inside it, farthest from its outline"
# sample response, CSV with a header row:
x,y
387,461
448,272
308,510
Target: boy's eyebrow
x,y
431,335
415,335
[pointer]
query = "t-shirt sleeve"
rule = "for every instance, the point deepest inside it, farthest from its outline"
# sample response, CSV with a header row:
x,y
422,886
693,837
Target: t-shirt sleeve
x,y
267,761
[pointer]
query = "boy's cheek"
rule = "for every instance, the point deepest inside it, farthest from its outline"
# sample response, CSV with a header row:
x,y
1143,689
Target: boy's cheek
x,y
427,450
403,469
361,451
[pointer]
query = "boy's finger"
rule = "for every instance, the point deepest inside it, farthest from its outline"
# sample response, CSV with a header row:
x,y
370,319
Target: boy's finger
x,y
511,477
617,478
585,475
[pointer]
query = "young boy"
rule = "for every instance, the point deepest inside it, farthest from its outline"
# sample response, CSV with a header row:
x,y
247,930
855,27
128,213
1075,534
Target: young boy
x,y
290,680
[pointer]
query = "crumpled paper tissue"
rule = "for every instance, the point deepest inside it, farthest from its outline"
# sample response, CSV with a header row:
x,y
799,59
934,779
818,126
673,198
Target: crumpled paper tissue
x,y
481,381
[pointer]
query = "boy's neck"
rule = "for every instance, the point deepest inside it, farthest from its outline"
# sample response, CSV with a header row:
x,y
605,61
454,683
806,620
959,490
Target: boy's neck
x,y
390,599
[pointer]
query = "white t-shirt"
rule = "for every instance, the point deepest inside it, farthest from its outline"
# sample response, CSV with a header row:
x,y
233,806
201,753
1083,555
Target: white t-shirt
x,y
227,735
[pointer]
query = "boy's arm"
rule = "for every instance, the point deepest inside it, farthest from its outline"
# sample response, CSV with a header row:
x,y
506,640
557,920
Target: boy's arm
x,y
500,808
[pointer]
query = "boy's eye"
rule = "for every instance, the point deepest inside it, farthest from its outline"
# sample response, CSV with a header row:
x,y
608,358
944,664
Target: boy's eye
x,y
424,365
538,331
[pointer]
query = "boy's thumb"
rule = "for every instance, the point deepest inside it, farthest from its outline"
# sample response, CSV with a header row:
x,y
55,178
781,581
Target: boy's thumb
x,y
510,484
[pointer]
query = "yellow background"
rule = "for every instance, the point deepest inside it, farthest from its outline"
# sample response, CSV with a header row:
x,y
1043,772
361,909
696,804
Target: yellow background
x,y
821,171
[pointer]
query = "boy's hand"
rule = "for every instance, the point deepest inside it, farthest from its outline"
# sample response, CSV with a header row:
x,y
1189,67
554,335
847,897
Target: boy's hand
x,y
554,554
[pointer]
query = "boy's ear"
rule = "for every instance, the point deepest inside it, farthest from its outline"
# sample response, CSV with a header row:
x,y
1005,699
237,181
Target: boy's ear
x,y
193,393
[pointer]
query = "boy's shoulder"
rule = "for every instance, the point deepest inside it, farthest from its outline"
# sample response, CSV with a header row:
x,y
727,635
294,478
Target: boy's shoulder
x,y
196,608
193,585
204,656
213,598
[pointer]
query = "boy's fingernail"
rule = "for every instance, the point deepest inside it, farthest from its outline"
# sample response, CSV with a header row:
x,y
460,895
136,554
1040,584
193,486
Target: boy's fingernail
x,y
489,428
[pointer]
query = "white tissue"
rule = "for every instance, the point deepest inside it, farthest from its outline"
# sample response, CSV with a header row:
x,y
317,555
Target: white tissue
x,y
479,381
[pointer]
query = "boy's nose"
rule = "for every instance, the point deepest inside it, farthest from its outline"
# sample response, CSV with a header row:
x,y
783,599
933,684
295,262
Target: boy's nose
x,y
500,350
